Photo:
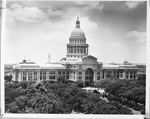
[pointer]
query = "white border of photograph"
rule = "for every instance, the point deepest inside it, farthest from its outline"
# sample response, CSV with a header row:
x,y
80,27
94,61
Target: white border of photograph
x,y
2,106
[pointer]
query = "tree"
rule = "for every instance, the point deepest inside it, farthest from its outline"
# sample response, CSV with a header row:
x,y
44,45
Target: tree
x,y
8,78
80,83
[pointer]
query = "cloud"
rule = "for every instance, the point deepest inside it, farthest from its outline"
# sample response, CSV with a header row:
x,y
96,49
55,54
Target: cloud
x,y
136,38
133,4
87,25
26,14
95,5
53,37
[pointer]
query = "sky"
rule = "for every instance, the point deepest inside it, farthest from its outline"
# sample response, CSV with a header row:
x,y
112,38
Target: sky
x,y
115,30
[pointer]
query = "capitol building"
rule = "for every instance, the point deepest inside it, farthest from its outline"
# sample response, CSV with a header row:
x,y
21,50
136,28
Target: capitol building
x,y
77,65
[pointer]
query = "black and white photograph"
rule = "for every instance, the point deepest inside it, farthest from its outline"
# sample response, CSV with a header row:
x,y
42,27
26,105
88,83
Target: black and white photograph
x,y
75,57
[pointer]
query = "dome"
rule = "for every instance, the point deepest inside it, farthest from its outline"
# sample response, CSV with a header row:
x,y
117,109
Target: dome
x,y
77,32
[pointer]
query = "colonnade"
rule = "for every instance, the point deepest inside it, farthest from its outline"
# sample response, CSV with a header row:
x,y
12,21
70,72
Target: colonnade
x,y
77,49
77,41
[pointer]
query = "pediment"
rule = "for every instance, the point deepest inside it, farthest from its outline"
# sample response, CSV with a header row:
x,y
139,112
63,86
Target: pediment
x,y
89,60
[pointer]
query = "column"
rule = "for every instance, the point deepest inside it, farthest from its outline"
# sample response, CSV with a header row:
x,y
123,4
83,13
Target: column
x,y
83,76
38,75
87,51
19,76
27,76
136,75
47,77
95,76
124,74
56,75
129,75
14,76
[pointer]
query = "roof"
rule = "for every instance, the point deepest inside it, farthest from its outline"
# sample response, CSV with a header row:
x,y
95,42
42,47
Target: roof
x,y
89,56
38,66
52,66
119,66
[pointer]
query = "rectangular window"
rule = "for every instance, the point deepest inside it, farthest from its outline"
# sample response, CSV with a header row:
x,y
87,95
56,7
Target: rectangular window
x,y
24,78
29,75
117,74
98,73
35,72
59,72
42,75
121,74
52,77
67,72
52,72
63,72
114,73
24,74
67,76
79,77
98,77
80,73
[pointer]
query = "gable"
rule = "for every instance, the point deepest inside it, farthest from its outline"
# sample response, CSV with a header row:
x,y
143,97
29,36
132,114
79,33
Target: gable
x,y
89,60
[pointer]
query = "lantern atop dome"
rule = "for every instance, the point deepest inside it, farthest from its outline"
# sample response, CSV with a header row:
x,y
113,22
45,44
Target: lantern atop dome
x,y
77,22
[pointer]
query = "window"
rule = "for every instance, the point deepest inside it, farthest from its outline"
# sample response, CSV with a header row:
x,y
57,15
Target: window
x,y
80,73
52,77
117,74
35,72
59,72
29,75
35,75
42,75
108,73
24,75
52,72
80,77
63,72
121,74
67,75
98,75
24,78
134,74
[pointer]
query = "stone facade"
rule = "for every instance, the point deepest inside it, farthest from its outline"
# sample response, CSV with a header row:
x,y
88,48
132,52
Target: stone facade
x,y
77,65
